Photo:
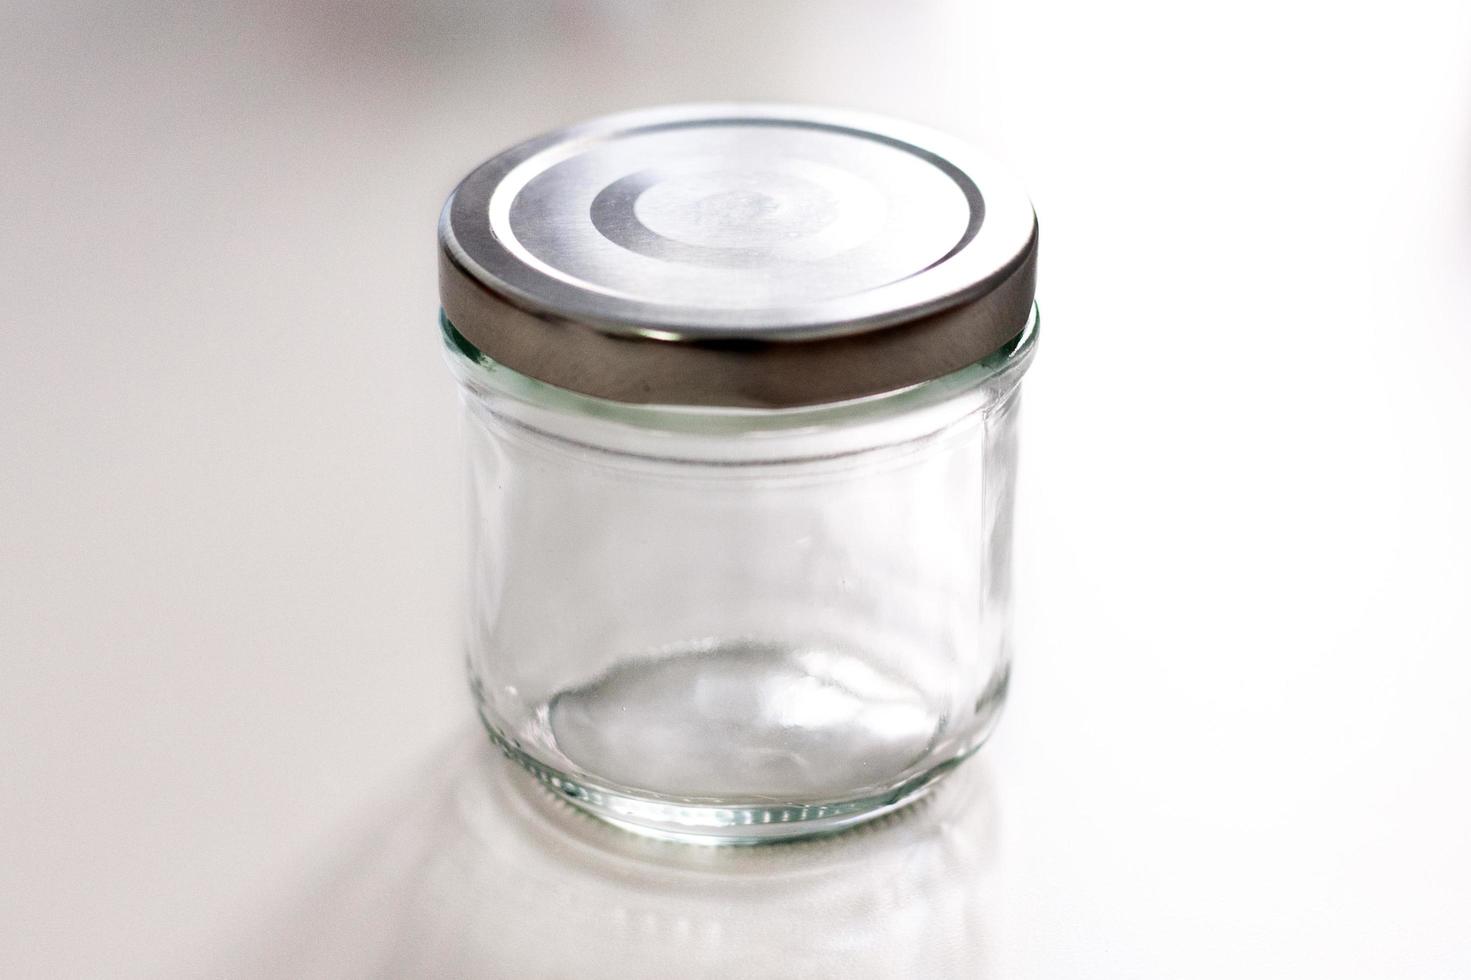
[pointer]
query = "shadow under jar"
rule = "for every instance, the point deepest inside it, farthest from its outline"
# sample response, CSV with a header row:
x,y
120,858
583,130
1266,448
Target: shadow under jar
x,y
741,387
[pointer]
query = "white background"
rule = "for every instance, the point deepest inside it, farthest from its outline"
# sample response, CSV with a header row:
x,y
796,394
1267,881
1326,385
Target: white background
x,y
234,737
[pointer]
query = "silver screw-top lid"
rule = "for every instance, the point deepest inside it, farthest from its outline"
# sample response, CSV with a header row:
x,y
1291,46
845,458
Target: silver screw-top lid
x,y
738,255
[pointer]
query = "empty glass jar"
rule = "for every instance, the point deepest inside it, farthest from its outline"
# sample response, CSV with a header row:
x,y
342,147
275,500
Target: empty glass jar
x,y
741,388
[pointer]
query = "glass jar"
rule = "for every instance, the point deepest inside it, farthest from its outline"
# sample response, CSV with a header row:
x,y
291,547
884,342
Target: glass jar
x,y
741,387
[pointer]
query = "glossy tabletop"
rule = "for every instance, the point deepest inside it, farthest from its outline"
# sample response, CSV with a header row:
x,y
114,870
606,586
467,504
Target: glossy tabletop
x,y
235,737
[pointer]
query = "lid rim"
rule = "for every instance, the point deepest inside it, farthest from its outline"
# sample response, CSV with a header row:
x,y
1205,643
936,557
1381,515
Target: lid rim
x,y
737,372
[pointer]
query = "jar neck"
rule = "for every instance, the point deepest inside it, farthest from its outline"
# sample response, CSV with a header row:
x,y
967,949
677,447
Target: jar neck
x,y
733,436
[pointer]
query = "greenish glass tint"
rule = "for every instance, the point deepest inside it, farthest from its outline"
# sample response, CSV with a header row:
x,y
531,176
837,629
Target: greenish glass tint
x,y
740,625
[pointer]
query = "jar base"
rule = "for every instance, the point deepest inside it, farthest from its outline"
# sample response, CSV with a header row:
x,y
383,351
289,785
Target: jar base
x,y
743,741
734,824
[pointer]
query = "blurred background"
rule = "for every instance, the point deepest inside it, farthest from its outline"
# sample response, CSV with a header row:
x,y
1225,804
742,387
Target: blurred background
x,y
235,739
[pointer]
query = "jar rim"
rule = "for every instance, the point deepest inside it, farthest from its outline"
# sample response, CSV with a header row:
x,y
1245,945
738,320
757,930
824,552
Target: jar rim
x,y
479,372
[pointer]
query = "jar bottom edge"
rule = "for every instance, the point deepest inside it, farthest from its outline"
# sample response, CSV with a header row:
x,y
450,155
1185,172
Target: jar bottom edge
x,y
738,824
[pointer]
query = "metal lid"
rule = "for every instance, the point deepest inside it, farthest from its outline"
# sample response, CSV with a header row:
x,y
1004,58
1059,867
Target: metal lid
x,y
737,255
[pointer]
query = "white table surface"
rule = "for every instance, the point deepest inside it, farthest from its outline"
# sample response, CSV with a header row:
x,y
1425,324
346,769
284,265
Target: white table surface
x,y
234,736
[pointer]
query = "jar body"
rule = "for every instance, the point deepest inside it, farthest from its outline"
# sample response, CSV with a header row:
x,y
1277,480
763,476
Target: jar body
x,y
734,625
